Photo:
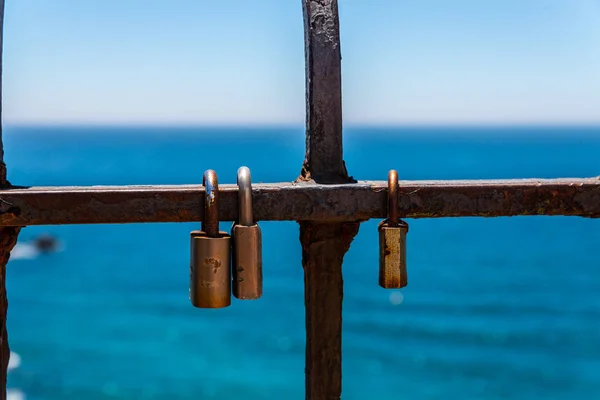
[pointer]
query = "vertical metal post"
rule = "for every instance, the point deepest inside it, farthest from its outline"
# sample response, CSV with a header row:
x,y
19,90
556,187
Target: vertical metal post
x,y
8,239
323,244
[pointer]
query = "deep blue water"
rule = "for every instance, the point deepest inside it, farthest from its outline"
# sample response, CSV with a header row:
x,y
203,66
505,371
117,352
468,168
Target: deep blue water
x,y
502,308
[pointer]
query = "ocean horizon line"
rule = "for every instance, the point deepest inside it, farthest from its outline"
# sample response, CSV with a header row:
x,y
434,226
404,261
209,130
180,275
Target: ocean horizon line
x,y
296,126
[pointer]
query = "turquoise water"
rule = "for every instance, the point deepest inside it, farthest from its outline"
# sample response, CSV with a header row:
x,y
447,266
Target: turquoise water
x,y
504,308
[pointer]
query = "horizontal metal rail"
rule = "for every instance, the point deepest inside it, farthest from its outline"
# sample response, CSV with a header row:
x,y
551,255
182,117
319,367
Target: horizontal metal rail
x,y
301,201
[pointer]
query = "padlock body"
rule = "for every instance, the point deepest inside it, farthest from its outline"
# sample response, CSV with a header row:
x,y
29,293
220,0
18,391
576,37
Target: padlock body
x,y
210,270
392,255
247,262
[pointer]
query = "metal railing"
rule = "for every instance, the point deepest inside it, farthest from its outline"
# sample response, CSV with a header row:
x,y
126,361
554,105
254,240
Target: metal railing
x,y
328,204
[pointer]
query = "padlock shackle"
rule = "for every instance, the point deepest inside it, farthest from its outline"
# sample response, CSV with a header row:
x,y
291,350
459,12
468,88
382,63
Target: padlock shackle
x,y
393,198
244,181
210,222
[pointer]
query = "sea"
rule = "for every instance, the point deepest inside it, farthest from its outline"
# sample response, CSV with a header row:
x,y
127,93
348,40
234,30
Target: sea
x,y
496,308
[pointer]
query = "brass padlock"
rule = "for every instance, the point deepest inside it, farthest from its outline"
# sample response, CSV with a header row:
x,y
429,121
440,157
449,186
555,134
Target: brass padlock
x,y
392,242
247,244
210,266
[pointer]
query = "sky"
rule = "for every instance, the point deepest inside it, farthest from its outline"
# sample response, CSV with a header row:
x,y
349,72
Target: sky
x,y
242,62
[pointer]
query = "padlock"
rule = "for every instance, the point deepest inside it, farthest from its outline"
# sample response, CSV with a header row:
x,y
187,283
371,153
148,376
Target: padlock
x,y
392,242
246,268
210,265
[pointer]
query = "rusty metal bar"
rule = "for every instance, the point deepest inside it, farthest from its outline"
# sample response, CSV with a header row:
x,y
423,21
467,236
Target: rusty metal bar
x,y
324,161
302,201
8,239
324,243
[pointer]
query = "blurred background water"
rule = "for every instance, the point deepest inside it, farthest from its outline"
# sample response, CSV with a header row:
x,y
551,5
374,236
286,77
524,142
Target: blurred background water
x,y
502,308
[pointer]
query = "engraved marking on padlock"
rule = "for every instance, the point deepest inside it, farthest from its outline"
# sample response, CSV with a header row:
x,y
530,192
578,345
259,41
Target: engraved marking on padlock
x,y
210,274
392,242
247,244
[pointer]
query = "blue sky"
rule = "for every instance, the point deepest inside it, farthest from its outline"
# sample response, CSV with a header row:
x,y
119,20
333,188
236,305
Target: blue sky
x,y
242,62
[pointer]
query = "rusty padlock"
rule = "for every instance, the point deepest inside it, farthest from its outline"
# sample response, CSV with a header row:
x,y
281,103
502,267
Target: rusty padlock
x,y
210,265
392,242
247,244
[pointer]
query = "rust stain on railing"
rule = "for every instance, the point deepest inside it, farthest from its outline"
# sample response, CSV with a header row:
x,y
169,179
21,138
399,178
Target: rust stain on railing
x,y
305,201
